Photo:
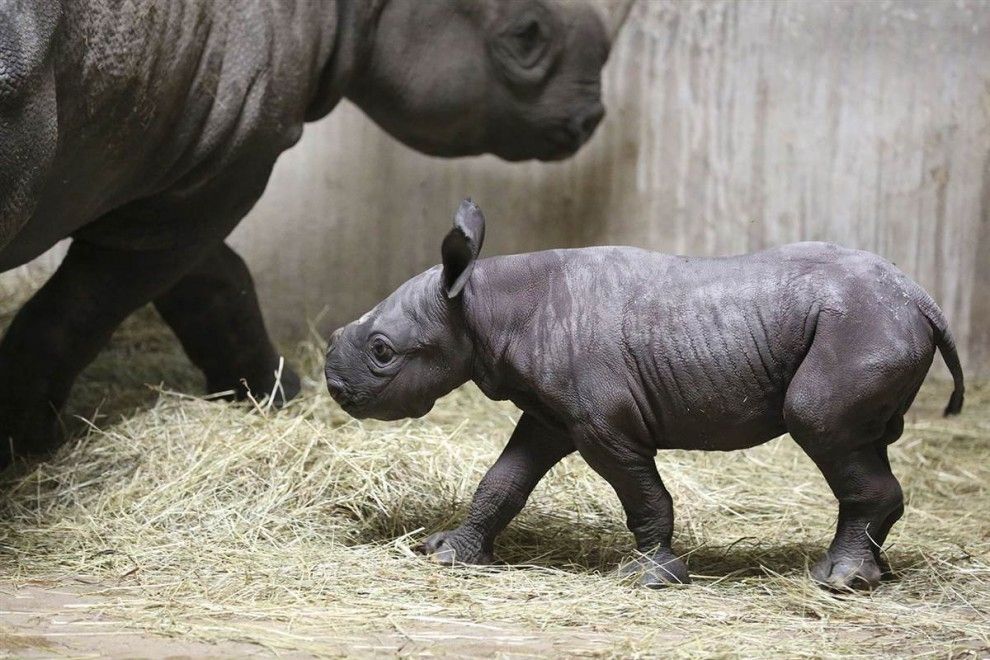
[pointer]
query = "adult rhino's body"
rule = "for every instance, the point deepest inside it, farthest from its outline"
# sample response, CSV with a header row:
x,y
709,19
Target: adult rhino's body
x,y
147,130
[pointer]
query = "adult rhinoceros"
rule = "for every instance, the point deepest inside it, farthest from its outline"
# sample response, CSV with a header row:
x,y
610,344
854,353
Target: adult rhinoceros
x,y
146,130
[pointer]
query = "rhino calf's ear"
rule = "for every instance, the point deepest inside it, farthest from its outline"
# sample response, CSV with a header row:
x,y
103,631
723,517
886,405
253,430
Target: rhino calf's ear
x,y
461,247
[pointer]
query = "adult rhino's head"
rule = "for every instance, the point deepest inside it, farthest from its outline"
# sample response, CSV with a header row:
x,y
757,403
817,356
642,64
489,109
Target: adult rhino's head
x,y
413,347
517,78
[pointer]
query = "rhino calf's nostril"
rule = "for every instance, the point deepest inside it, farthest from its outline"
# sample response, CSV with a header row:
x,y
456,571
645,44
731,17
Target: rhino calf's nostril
x,y
334,387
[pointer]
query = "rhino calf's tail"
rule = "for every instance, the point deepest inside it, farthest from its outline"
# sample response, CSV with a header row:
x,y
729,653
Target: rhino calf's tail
x,y
947,346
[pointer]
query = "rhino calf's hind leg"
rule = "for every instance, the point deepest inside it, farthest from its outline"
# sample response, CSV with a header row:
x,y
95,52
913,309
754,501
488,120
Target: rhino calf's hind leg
x,y
870,502
214,312
62,328
844,406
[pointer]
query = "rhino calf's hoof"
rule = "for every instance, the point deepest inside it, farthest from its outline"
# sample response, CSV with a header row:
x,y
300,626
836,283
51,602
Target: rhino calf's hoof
x,y
657,570
847,573
457,546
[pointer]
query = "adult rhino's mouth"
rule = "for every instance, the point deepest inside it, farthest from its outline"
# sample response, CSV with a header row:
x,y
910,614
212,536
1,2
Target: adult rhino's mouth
x,y
562,140
563,143
557,144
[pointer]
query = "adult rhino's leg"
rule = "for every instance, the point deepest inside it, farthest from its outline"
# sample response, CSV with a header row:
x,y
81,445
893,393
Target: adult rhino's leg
x,y
648,506
214,312
532,450
62,328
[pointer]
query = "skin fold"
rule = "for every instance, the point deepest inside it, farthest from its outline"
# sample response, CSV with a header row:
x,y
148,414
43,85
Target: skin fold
x,y
618,352
145,130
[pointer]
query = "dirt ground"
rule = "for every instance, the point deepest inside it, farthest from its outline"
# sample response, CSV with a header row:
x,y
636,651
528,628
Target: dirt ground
x,y
64,621
87,568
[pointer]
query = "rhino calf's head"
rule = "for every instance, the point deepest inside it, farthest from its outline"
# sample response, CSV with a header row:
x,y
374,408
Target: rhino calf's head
x,y
413,347
517,78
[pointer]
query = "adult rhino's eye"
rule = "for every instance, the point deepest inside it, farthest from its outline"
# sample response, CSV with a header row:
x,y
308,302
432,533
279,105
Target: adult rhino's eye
x,y
381,351
526,47
528,42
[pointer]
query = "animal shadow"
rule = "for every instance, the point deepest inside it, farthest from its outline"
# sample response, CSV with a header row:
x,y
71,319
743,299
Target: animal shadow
x,y
545,540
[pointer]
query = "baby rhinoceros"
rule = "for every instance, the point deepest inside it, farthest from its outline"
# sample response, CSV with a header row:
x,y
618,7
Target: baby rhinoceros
x,y
616,352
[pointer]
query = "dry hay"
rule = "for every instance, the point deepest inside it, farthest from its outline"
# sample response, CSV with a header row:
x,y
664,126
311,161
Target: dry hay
x,y
292,530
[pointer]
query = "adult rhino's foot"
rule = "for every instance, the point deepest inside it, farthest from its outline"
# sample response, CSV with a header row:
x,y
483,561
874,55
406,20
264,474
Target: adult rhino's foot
x,y
27,431
842,572
213,310
288,386
456,546
263,384
657,569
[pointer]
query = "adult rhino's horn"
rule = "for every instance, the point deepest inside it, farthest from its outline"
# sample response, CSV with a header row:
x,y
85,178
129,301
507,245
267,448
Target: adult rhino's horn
x,y
614,13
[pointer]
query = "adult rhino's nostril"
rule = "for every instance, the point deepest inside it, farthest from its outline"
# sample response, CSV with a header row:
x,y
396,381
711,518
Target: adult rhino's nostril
x,y
590,120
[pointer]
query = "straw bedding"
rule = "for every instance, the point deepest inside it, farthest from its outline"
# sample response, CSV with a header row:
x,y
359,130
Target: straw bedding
x,y
293,530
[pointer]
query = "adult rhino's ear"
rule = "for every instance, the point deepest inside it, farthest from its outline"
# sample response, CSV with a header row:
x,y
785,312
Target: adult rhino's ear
x,y
461,247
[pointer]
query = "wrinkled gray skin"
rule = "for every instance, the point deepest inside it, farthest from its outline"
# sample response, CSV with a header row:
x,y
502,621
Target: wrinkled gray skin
x,y
146,130
617,352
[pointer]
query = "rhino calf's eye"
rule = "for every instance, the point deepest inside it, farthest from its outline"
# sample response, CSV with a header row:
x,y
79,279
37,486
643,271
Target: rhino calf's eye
x,y
381,351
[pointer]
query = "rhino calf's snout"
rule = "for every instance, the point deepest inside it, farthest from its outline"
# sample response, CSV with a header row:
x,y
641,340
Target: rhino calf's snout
x,y
335,387
334,384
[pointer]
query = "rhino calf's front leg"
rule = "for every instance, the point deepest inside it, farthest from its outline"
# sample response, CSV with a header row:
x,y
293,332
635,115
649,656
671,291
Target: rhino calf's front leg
x,y
532,450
